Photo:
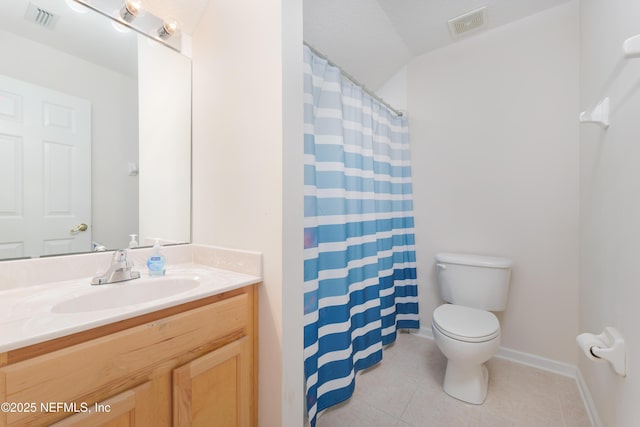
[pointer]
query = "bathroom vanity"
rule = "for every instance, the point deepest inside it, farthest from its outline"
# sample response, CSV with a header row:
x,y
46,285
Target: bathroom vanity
x,y
179,360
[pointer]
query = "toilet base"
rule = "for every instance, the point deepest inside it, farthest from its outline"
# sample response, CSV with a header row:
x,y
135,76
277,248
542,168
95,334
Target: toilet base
x,y
466,382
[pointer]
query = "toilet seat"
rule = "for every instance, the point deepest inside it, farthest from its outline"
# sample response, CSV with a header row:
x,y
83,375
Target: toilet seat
x,y
466,323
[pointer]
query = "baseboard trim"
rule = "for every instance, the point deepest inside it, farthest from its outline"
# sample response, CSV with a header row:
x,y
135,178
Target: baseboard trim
x,y
523,358
539,362
589,404
545,364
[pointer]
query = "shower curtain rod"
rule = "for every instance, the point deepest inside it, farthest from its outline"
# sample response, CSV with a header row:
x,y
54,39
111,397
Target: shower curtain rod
x,y
353,80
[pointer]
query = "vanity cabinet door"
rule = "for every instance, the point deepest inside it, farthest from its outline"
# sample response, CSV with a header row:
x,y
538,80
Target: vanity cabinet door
x,y
127,409
215,389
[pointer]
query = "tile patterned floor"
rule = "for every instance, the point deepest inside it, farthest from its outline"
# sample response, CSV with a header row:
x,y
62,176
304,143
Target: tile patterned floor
x,y
405,390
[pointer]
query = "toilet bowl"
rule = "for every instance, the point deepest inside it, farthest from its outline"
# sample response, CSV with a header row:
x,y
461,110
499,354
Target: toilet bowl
x,y
468,337
465,329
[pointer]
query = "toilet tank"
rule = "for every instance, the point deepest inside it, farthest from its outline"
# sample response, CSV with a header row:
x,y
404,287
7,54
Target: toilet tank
x,y
474,280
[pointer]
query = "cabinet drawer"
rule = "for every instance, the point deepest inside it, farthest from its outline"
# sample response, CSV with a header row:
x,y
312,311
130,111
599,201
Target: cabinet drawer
x,y
75,373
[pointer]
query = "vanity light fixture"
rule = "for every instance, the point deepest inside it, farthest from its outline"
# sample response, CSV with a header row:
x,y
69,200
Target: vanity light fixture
x,y
127,15
167,29
130,10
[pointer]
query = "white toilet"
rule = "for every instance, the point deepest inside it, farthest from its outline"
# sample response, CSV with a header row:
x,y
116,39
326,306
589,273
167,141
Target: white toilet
x,y
465,330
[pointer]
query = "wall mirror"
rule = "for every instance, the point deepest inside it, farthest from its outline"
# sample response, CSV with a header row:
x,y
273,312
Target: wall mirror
x,y
95,133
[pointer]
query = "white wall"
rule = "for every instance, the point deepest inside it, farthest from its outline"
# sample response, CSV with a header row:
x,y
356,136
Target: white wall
x,y
164,126
494,140
293,408
610,203
394,90
247,172
113,98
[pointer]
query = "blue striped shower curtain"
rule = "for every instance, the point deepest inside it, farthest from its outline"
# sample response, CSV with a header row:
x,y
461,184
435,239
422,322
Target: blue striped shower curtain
x,y
359,255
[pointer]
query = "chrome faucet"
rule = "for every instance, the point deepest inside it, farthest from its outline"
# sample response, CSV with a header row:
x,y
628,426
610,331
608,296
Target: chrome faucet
x,y
118,271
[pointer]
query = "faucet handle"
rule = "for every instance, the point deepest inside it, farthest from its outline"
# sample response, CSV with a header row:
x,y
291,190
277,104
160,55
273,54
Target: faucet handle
x,y
119,271
119,256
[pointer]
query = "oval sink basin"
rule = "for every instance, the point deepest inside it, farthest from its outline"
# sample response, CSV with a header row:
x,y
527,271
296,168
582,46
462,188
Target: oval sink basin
x,y
123,294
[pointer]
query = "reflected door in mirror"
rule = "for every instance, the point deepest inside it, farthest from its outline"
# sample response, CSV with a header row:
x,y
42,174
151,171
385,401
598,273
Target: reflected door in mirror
x,y
45,171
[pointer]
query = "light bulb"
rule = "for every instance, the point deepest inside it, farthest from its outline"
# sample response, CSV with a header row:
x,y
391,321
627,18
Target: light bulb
x,y
168,29
130,10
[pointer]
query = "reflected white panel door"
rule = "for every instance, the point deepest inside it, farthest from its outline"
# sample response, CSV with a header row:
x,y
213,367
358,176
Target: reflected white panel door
x,y
45,171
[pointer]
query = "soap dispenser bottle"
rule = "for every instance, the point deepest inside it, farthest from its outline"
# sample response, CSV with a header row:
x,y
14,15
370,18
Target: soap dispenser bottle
x,y
133,243
156,261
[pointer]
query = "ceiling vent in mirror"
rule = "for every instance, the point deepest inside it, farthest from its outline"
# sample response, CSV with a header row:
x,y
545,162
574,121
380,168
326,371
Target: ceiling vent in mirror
x,y
39,16
468,22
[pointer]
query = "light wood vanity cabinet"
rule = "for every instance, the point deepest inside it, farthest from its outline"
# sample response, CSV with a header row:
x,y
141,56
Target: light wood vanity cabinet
x,y
189,365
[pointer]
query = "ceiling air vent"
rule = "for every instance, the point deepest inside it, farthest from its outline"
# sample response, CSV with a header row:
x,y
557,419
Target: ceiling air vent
x,y
39,16
468,22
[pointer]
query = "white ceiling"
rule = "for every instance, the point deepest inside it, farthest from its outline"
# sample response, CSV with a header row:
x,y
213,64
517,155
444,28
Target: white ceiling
x,y
86,34
370,39
373,39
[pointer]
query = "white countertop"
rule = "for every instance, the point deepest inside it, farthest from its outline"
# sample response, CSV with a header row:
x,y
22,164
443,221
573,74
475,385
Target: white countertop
x,y
27,316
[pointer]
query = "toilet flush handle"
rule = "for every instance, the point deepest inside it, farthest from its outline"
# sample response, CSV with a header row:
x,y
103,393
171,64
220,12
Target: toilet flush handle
x,y
442,266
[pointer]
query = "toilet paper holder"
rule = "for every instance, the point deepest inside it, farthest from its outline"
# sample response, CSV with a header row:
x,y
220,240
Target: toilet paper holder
x,y
609,346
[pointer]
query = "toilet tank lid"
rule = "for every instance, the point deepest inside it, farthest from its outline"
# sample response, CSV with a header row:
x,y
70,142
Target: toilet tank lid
x,y
475,260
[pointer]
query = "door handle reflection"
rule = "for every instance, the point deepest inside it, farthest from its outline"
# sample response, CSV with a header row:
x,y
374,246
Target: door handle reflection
x,y
79,227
